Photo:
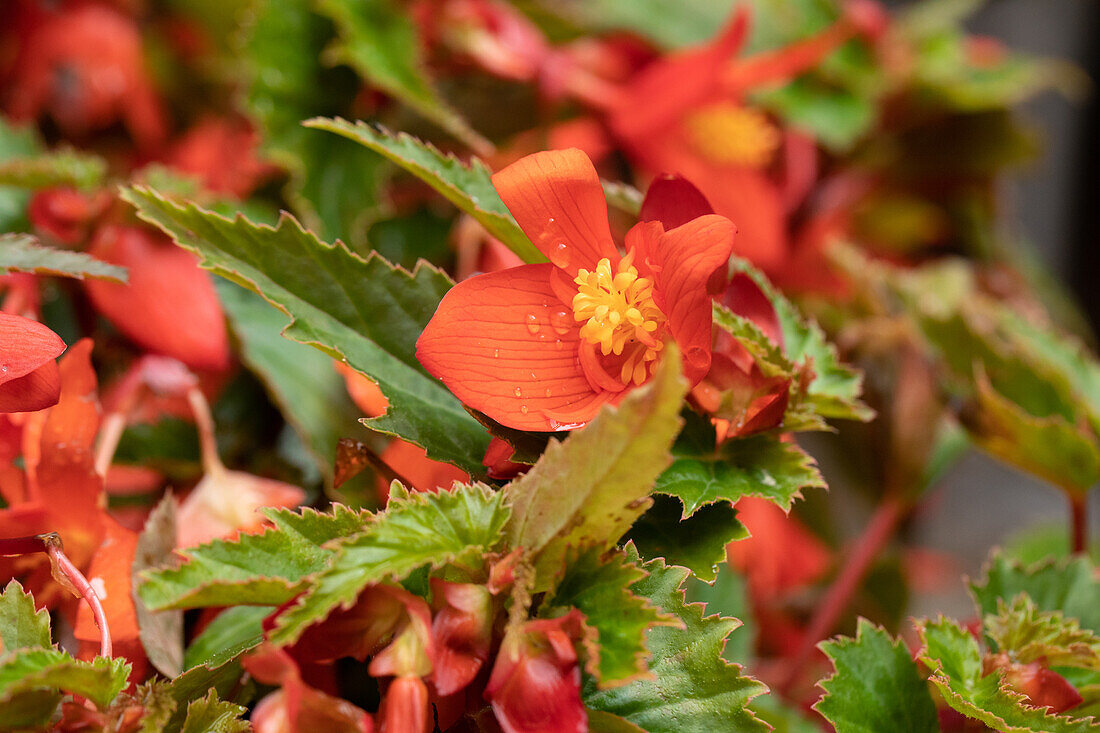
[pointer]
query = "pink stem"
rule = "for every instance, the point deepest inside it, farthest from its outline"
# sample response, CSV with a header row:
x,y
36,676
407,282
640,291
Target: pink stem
x,y
65,573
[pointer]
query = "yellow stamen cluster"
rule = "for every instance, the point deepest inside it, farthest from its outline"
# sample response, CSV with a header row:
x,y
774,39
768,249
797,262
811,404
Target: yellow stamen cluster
x,y
729,133
621,316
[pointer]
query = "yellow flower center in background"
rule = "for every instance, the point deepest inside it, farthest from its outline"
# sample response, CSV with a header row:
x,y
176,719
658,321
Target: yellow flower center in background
x,y
729,133
621,316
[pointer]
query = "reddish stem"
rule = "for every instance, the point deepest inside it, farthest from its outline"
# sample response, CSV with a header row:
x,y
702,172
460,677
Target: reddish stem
x,y
65,573
858,561
1079,524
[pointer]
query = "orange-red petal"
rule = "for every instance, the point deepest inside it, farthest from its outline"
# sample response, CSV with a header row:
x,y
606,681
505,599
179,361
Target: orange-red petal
x,y
504,344
25,345
35,391
681,261
559,203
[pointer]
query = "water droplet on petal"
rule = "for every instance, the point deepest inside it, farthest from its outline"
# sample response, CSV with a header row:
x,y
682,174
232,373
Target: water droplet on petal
x,y
561,321
523,409
551,220
533,323
559,254
518,392
547,391
496,353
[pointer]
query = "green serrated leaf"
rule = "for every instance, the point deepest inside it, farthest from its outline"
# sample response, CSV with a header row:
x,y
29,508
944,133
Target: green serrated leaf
x,y
761,465
21,626
767,355
693,690
455,526
23,253
1069,586
363,310
32,670
599,585
876,686
587,490
211,715
65,167
697,542
953,656
1030,635
321,414
256,569
378,39
15,142
668,23
467,186
170,698
232,632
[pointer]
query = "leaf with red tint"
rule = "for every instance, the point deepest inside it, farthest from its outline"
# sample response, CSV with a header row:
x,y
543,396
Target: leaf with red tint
x,y
169,306
535,684
29,377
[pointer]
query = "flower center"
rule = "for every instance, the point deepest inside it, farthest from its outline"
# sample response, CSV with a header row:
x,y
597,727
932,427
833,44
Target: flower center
x,y
729,133
621,316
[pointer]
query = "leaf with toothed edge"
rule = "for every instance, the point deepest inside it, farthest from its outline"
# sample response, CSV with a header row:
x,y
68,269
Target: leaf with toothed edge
x,y
366,311
692,689
458,526
599,586
697,542
1069,586
255,569
955,660
21,625
467,186
210,715
24,253
875,685
28,671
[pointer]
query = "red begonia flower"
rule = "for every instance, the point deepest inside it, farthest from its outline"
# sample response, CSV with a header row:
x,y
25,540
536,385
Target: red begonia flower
x,y
29,377
84,66
65,214
543,346
222,153
780,555
703,130
169,305
536,681
405,707
298,707
462,631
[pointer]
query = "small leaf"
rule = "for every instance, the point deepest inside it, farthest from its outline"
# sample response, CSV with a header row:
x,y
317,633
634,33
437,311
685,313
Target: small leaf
x,y
64,167
467,186
697,542
693,689
761,465
953,656
1030,635
31,670
587,490
1069,586
876,686
21,626
232,632
363,310
422,529
255,569
211,715
23,253
600,587
161,632
378,39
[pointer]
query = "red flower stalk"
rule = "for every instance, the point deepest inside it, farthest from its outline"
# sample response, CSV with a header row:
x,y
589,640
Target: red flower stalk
x,y
462,631
703,130
29,376
169,305
535,686
543,346
83,65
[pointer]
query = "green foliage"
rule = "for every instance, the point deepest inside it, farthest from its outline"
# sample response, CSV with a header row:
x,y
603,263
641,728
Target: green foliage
x,y
233,631
423,529
15,143
21,626
30,672
211,715
1067,586
697,542
64,167
378,39
599,585
301,380
693,690
467,186
365,311
255,569
876,686
668,23
23,253
760,465
836,117
1030,635
587,490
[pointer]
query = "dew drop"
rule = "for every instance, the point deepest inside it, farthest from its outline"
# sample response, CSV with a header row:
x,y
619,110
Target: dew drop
x,y
518,392
559,254
496,353
523,409
533,323
561,321
4,369
547,391
551,220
